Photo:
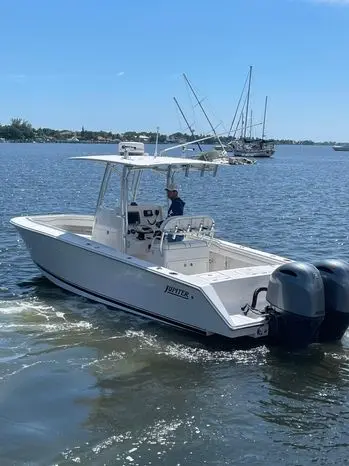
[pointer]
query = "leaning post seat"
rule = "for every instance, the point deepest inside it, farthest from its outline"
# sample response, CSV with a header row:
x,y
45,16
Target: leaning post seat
x,y
189,256
200,226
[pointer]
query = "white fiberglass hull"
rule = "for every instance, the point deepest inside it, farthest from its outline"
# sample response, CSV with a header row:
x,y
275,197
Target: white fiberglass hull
x,y
341,148
260,154
199,303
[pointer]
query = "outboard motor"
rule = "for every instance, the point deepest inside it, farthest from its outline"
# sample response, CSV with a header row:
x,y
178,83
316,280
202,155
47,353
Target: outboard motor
x,y
297,304
335,277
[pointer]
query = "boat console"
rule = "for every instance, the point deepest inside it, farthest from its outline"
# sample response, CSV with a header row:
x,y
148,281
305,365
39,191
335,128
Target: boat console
x,y
142,221
144,215
177,243
143,224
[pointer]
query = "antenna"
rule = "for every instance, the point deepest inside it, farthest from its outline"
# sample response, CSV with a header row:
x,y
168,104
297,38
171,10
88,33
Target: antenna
x,y
248,100
265,116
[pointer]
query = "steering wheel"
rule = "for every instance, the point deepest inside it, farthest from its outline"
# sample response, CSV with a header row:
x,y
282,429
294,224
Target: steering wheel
x,y
146,229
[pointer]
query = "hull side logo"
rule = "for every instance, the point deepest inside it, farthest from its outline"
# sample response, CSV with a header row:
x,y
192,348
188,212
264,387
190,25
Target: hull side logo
x,y
177,292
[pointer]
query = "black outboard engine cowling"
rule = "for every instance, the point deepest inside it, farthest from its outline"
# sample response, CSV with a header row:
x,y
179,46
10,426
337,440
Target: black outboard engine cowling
x,y
335,277
297,304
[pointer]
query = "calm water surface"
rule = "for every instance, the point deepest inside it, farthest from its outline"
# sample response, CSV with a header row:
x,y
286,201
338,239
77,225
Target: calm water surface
x,y
83,384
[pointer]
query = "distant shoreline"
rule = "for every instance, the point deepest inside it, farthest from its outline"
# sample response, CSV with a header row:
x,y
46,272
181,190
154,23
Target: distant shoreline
x,y
21,131
277,143
58,142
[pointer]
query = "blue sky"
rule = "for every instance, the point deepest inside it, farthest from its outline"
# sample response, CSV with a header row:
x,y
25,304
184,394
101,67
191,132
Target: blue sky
x,y
115,64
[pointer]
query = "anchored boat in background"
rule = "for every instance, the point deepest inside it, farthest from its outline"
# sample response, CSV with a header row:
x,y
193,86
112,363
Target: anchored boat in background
x,y
341,147
246,146
256,148
218,154
128,255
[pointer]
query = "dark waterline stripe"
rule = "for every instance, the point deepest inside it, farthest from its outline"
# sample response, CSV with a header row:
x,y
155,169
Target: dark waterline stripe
x,y
132,309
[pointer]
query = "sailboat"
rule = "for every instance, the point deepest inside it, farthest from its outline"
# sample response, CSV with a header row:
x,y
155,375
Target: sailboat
x,y
248,146
219,153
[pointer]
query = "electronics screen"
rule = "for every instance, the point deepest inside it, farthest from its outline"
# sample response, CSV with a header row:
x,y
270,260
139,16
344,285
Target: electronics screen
x,y
133,218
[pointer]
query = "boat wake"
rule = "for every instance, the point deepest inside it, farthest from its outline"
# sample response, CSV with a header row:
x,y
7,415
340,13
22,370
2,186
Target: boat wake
x,y
36,317
194,351
133,447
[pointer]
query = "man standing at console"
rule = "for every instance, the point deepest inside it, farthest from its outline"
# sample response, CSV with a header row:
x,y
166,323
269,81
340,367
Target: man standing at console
x,y
177,205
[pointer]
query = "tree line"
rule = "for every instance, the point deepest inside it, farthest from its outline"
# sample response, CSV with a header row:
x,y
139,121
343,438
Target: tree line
x,y
20,130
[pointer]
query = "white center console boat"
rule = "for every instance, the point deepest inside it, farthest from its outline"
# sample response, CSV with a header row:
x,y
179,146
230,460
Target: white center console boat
x,y
174,270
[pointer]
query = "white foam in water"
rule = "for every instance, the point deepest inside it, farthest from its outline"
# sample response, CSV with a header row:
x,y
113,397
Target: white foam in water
x,y
18,307
111,441
161,433
190,354
38,317
145,338
194,354
48,328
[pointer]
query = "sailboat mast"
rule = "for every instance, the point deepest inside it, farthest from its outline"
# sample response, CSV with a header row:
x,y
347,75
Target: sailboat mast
x,y
248,100
202,109
185,119
237,126
265,116
251,126
242,124
238,107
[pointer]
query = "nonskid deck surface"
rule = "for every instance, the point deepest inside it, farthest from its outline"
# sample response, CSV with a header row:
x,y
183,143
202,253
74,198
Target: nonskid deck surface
x,y
238,273
241,321
77,224
80,225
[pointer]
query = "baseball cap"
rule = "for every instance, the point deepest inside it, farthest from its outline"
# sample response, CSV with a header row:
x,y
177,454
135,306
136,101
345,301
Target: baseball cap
x,y
172,187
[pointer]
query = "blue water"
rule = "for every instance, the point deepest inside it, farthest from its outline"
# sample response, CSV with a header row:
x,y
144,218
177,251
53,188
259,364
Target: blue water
x,y
83,384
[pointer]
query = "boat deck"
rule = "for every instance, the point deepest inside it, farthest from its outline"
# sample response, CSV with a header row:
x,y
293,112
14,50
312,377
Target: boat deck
x,y
236,274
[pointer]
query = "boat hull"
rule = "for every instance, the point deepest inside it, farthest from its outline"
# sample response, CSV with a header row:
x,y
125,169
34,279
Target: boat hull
x,y
112,302
105,275
344,148
260,149
255,154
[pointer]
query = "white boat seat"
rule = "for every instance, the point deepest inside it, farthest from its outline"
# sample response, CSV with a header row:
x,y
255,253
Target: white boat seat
x,y
185,244
190,256
188,224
